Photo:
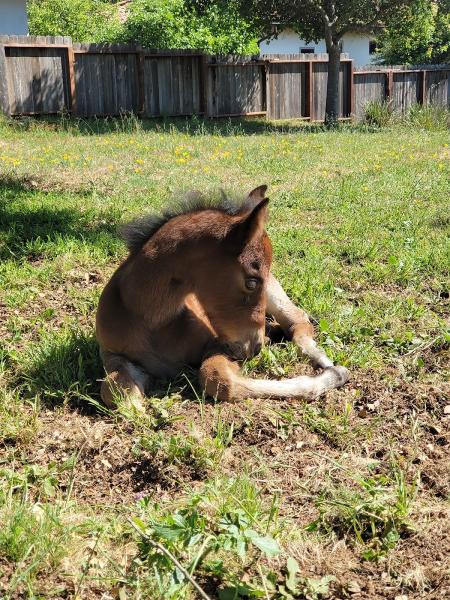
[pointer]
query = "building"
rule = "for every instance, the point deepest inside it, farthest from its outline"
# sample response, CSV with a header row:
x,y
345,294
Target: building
x,y
360,46
13,17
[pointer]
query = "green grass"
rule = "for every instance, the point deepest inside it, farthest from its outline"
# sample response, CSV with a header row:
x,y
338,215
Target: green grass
x,y
257,500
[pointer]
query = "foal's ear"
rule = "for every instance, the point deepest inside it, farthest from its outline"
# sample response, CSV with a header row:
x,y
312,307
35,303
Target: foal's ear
x,y
255,197
249,227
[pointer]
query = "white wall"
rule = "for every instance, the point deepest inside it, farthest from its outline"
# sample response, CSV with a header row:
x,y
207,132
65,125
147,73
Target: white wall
x,y
13,17
358,47
289,42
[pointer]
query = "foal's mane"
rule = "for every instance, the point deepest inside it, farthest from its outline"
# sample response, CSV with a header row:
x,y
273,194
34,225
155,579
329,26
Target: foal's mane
x,y
136,233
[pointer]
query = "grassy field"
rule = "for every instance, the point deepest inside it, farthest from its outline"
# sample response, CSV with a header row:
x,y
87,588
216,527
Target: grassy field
x,y
348,496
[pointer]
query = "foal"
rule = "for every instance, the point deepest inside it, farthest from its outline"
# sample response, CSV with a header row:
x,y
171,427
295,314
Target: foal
x,y
195,290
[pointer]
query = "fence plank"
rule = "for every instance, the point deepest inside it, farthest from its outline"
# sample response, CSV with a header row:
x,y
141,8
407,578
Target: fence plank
x,y
369,87
406,90
4,88
236,87
437,88
287,98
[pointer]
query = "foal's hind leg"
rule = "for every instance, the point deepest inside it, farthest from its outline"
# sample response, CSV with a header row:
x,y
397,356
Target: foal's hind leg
x,y
123,380
295,323
220,378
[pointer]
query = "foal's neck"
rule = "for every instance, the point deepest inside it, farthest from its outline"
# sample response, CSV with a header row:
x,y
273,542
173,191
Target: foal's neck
x,y
155,284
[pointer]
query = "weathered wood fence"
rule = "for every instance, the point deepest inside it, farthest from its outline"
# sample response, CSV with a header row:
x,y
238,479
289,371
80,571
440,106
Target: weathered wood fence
x,y
49,75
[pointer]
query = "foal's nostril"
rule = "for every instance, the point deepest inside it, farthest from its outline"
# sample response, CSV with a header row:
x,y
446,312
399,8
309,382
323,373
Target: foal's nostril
x,y
258,347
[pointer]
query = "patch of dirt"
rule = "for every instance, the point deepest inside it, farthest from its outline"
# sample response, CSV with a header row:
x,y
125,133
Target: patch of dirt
x,y
290,456
106,470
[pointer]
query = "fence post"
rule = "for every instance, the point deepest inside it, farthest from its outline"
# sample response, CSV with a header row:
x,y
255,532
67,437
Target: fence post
x,y
350,89
266,91
309,91
312,115
423,87
389,85
140,58
72,85
204,85
4,93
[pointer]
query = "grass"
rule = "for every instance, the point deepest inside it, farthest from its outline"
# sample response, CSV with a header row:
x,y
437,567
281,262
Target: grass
x,y
267,499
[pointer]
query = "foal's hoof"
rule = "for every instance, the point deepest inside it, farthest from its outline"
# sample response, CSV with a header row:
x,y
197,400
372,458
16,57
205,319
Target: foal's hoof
x,y
113,396
341,374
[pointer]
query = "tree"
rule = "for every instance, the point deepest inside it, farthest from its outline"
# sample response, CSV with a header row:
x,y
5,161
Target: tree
x,y
421,35
151,23
172,24
317,19
83,20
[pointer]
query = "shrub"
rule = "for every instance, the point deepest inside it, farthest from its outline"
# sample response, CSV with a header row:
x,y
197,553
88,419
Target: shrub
x,y
429,117
378,113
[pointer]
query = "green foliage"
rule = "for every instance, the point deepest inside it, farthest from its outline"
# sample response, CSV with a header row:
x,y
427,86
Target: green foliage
x,y
83,20
170,24
150,23
430,118
375,512
212,535
378,114
419,34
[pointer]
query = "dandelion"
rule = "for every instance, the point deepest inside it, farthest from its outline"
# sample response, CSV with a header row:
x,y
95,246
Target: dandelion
x,y
138,170
181,160
139,161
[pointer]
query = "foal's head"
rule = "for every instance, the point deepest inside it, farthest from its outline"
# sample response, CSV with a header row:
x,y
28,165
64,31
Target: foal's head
x,y
232,286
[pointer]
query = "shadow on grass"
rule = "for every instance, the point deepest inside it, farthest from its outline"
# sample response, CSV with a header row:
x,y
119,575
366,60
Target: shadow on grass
x,y
63,368
25,230
66,367
186,125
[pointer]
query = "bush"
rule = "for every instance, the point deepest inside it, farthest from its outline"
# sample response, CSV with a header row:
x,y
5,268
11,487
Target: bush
x,y
429,117
150,23
378,114
83,20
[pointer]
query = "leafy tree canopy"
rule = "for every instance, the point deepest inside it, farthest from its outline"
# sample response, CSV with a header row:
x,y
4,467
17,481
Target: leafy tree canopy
x,y
420,35
83,20
151,23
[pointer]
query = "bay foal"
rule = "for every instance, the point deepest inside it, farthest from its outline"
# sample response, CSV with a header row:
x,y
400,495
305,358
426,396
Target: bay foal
x,y
195,290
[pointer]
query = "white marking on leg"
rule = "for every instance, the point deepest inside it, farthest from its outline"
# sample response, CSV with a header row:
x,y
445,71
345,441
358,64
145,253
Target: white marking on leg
x,y
309,347
297,387
139,376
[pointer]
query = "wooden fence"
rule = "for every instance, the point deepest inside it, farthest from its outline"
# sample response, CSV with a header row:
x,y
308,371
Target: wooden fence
x,y
49,75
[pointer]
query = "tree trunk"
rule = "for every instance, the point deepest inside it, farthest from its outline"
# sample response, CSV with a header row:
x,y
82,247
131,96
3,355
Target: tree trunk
x,y
334,64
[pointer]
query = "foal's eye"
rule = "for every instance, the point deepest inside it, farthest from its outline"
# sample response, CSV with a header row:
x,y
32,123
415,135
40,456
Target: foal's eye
x,y
251,283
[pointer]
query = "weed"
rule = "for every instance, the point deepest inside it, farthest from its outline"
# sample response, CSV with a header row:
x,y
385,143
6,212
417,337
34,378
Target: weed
x,y
211,542
379,114
375,511
430,118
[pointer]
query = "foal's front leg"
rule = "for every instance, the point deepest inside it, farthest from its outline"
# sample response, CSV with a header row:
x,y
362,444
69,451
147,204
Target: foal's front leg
x,y
123,380
295,323
220,378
